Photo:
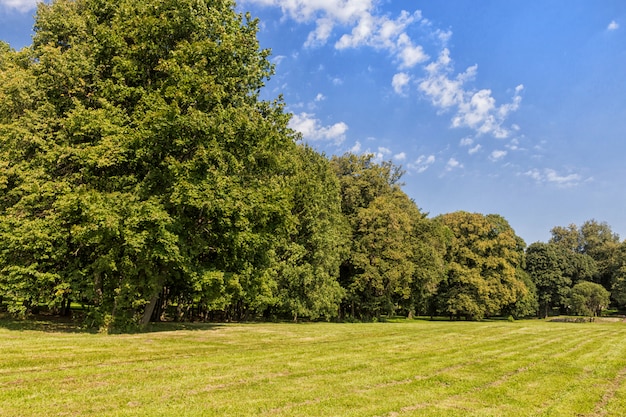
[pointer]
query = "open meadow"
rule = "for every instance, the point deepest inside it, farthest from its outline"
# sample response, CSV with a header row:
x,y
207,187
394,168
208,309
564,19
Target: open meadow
x,y
408,368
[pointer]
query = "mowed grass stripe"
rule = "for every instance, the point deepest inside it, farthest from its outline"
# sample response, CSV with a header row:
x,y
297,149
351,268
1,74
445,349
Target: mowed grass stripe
x,y
527,368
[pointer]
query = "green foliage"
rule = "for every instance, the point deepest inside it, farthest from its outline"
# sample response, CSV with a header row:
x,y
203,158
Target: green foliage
x,y
588,298
142,177
545,264
316,244
482,261
137,157
394,260
597,242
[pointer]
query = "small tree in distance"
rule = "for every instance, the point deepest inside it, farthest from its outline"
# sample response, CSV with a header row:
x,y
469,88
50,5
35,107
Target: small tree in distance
x,y
588,298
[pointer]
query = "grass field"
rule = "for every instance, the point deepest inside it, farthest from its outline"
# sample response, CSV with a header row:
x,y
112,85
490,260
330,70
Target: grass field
x,y
410,368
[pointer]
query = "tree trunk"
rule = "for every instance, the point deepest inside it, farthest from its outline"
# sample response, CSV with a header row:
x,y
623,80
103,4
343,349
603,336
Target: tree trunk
x,y
147,314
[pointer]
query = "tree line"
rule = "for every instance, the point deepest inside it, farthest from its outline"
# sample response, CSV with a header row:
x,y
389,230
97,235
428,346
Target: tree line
x,y
142,177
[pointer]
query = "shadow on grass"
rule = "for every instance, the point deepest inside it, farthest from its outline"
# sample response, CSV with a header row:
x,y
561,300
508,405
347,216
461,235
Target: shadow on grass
x,y
59,324
44,323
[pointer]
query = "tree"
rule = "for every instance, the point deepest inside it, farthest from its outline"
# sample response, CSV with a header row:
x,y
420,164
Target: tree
x,y
588,298
382,253
596,241
393,263
137,157
482,261
545,265
317,242
618,288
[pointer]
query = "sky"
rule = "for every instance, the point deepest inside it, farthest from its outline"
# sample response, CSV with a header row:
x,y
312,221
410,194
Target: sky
x,y
516,108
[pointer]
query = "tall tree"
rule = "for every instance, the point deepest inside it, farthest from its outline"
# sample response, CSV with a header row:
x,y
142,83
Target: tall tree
x,y
317,241
394,262
137,156
482,262
545,264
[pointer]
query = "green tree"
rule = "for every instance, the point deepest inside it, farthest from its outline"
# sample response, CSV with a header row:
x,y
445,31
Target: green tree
x,y
545,264
431,242
382,253
482,263
595,240
393,263
588,298
317,242
137,160
618,288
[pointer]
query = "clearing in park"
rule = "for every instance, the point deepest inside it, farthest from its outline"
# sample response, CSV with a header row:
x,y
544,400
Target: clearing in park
x,y
407,368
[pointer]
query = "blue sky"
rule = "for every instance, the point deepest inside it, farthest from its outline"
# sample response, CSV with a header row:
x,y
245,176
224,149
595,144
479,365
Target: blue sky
x,y
509,107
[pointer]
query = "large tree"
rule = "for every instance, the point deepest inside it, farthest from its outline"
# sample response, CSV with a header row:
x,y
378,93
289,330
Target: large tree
x,y
394,260
482,266
136,156
316,243
595,240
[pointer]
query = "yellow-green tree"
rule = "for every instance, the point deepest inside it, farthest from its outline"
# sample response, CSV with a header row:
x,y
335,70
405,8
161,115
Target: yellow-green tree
x,y
394,262
482,262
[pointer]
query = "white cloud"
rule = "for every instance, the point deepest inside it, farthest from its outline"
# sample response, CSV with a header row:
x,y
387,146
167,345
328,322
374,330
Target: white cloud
x,y
422,163
379,32
551,176
514,145
443,91
356,148
452,164
400,156
469,142
359,24
443,36
20,5
366,28
312,128
497,155
476,110
308,10
613,25
466,142
408,53
322,32
400,81
320,97
278,59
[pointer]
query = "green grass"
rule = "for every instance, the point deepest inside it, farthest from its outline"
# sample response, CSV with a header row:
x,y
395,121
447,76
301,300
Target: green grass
x,y
410,368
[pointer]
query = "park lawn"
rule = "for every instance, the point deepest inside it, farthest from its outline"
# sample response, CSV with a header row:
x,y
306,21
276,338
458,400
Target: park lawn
x,y
409,368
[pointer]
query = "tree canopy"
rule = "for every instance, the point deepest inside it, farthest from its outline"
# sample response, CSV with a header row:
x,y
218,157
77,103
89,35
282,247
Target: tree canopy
x,y
482,263
141,157
142,177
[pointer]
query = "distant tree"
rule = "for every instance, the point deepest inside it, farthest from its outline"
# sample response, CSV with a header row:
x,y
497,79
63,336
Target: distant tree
x,y
618,288
528,304
568,238
481,266
432,240
545,264
588,298
596,249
